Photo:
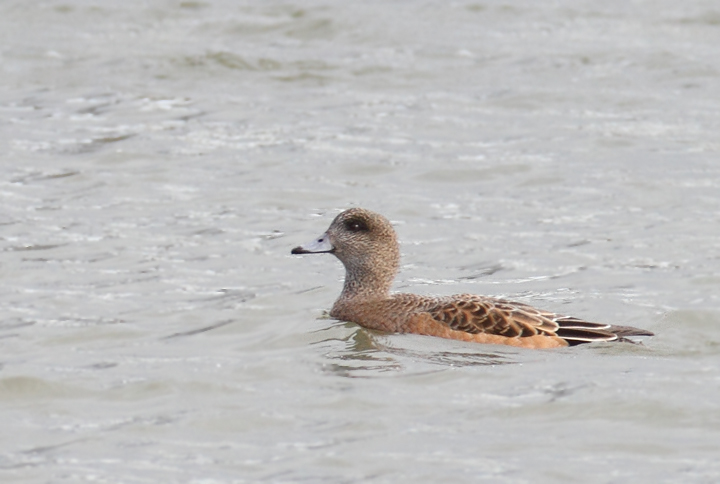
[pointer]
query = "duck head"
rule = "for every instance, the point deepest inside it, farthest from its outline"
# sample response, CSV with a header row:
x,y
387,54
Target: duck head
x,y
366,244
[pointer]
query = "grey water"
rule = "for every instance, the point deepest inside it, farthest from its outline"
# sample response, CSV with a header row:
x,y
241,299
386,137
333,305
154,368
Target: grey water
x,y
160,159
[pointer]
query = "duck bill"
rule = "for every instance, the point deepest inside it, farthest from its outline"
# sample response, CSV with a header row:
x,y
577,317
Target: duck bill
x,y
321,245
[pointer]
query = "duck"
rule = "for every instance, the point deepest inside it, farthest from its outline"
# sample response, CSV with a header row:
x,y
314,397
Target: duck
x,y
367,245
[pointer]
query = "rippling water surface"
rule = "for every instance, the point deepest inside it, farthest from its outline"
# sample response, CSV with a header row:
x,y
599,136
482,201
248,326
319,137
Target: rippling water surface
x,y
161,158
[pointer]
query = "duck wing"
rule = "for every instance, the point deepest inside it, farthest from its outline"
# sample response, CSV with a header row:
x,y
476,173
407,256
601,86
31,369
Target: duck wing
x,y
477,314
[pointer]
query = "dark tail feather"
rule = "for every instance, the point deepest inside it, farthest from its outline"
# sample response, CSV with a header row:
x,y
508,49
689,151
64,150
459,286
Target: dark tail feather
x,y
577,332
623,331
577,336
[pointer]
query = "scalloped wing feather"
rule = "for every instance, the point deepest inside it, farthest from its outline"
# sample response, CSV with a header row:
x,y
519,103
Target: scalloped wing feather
x,y
476,314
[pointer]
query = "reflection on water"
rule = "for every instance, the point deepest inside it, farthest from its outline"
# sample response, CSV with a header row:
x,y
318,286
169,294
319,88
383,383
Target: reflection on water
x,y
368,354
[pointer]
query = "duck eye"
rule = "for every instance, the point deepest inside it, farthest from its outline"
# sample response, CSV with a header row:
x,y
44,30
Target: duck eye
x,y
355,226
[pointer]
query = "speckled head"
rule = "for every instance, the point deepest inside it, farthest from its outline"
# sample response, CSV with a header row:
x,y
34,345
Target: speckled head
x,y
366,244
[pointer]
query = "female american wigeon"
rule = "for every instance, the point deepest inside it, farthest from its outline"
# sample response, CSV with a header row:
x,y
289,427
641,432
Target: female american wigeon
x,y
366,244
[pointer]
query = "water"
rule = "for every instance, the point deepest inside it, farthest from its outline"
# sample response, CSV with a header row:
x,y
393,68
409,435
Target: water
x,y
160,159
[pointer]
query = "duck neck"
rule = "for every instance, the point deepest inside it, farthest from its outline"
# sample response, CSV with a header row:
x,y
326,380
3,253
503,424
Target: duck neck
x,y
367,282
370,276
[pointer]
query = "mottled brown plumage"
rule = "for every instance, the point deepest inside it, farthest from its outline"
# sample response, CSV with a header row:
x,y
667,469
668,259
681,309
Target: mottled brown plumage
x,y
366,244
